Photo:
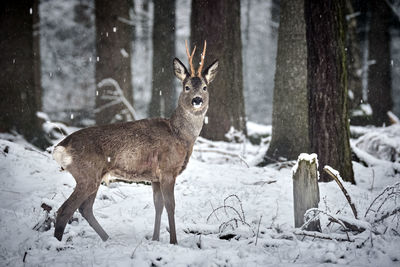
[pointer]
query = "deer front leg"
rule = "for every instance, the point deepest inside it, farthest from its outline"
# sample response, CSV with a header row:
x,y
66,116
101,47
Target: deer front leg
x,y
159,206
67,209
167,189
86,209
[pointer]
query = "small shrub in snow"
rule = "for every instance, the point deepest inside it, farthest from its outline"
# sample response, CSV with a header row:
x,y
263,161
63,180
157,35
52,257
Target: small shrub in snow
x,y
234,222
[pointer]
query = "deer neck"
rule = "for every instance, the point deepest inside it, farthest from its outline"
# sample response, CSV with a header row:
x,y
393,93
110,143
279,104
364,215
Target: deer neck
x,y
187,125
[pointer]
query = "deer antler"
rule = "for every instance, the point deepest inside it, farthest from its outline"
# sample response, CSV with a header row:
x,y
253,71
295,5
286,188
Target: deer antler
x,y
203,55
190,58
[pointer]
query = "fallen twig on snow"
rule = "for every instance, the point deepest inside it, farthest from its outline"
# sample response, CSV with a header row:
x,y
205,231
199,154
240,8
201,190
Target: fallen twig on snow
x,y
347,224
314,214
324,236
226,153
133,253
258,230
202,140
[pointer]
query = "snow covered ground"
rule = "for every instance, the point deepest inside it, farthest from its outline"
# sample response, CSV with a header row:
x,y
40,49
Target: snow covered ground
x,y
30,177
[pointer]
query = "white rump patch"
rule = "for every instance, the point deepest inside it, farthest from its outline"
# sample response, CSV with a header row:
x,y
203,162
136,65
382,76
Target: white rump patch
x,y
62,157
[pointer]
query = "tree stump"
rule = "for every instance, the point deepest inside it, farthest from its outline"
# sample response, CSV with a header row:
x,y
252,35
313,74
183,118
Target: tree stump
x,y
305,189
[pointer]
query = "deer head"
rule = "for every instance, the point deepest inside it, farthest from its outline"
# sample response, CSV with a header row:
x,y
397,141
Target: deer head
x,y
194,95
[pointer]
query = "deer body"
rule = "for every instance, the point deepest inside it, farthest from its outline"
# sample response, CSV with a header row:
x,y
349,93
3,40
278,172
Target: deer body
x,y
155,150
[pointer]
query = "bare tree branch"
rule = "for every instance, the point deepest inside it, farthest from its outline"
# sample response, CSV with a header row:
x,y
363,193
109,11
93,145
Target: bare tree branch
x,y
346,194
387,189
395,12
387,214
112,82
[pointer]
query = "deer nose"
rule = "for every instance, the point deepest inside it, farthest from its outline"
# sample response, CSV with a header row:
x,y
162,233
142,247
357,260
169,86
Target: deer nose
x,y
197,102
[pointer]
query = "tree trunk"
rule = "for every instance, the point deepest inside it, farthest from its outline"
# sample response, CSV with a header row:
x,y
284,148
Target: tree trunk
x,y
327,85
113,45
275,17
353,59
18,104
218,22
379,73
290,118
305,191
163,97
36,55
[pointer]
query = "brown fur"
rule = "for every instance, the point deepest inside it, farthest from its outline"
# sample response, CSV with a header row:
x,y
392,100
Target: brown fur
x,y
155,150
130,149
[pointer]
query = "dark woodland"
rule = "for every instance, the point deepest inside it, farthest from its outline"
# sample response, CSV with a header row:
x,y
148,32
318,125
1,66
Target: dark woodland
x,y
268,131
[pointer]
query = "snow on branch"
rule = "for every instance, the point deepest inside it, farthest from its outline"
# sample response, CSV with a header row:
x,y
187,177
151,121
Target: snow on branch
x,y
383,206
347,224
313,214
119,98
395,12
393,118
336,237
373,161
387,215
109,104
126,21
382,199
336,176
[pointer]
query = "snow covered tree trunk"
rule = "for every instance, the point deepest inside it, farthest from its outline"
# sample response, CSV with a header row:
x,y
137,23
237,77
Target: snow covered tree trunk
x,y
290,106
18,103
218,22
379,73
113,46
327,85
163,97
305,190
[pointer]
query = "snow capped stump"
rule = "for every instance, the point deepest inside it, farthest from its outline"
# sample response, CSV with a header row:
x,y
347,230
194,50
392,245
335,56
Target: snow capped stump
x,y
305,189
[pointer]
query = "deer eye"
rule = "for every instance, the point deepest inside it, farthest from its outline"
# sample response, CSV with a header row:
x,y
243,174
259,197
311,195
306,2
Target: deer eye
x,y
187,88
205,88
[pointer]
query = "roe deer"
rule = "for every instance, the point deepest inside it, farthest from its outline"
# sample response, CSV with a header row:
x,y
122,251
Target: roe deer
x,y
155,150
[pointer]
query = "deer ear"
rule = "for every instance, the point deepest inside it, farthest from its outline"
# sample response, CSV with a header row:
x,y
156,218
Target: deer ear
x,y
210,72
180,70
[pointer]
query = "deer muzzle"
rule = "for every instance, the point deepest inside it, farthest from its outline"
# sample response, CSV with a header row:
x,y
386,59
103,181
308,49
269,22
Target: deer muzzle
x,y
197,102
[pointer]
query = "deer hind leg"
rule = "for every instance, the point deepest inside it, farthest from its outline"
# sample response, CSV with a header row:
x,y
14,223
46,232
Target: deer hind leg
x,y
167,189
159,206
67,209
86,209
